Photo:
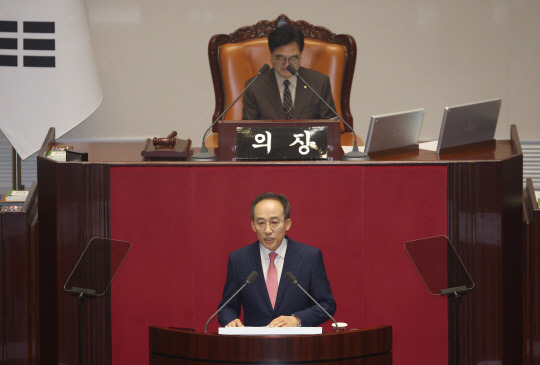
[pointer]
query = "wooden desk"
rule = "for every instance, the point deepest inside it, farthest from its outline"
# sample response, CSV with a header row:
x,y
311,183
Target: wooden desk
x,y
371,346
351,210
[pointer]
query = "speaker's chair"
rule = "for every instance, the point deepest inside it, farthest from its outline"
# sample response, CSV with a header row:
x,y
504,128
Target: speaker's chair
x,y
236,57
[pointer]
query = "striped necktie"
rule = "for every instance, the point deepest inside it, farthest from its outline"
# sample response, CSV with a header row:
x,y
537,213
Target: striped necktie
x,y
287,100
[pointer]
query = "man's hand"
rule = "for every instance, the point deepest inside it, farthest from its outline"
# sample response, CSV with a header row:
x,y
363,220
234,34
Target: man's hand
x,y
285,321
235,323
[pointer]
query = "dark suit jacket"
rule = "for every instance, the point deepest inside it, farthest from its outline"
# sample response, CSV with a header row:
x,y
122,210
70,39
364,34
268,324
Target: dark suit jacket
x,y
303,261
263,102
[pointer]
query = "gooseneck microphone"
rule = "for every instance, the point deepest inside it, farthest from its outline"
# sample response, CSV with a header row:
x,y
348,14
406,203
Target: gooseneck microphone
x,y
251,278
204,155
355,154
293,281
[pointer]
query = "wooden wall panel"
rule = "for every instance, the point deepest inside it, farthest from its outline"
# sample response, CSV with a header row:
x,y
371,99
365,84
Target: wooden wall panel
x,y
484,223
75,208
531,277
19,284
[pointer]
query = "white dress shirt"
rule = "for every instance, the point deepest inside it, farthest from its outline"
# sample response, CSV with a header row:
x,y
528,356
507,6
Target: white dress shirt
x,y
278,261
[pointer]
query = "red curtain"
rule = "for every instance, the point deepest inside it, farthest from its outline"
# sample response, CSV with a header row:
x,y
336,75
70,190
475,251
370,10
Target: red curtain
x,y
184,220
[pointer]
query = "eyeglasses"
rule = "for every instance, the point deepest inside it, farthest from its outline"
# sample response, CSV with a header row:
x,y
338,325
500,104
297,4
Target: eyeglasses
x,y
274,223
280,60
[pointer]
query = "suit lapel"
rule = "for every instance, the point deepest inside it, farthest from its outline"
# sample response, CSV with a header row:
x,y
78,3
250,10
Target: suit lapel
x,y
272,94
291,261
301,95
255,257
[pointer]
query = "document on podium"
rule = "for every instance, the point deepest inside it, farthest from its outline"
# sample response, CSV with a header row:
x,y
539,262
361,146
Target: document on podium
x,y
266,331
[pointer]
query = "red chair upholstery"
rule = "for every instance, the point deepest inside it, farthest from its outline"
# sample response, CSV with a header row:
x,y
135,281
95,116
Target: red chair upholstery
x,y
236,57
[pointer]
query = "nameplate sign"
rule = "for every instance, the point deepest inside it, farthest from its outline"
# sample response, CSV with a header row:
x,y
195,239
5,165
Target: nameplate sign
x,y
282,143
282,136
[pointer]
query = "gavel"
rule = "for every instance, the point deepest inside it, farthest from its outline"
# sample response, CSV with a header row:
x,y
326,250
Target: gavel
x,y
169,141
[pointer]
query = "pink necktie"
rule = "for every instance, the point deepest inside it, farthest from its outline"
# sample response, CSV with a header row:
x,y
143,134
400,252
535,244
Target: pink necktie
x,y
272,279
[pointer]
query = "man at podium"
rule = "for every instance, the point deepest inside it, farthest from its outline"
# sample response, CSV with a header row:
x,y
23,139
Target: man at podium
x,y
274,301
278,94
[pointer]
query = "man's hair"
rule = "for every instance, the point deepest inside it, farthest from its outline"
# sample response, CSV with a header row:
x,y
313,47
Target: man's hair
x,y
284,35
272,196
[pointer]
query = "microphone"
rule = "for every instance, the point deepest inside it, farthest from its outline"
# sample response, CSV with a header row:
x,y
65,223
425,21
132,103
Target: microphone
x,y
355,154
204,155
251,278
293,281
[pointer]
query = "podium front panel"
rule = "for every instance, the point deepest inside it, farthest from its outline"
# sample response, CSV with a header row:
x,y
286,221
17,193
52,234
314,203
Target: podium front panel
x,y
359,214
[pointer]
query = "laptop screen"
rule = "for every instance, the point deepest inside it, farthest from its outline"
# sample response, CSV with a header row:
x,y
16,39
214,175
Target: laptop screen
x,y
469,123
393,131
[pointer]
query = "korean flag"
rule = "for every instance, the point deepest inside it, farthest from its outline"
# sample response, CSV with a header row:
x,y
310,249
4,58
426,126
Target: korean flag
x,y
48,77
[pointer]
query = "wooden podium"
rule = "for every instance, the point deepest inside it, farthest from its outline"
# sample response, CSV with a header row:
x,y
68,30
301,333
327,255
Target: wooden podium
x,y
174,346
176,213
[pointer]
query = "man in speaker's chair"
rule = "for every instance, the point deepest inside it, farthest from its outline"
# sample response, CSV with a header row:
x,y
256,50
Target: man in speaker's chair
x,y
272,300
278,94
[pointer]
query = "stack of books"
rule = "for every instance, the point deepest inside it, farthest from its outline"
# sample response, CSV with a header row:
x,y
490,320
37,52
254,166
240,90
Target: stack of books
x,y
13,200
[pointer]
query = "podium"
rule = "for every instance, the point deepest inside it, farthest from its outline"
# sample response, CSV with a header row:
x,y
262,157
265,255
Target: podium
x,y
371,346
177,213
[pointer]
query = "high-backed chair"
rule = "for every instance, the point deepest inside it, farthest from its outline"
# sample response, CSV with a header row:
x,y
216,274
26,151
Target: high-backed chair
x,y
236,57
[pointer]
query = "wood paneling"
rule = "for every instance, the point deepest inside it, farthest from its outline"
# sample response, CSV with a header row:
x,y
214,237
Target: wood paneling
x,y
484,210
369,346
531,276
484,223
75,209
19,283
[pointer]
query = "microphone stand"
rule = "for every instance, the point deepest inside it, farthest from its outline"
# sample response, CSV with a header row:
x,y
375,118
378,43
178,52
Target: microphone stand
x,y
80,299
457,292
254,275
355,154
293,280
204,155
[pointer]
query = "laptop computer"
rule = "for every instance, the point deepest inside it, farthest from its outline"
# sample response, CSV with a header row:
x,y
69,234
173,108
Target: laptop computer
x,y
394,131
468,123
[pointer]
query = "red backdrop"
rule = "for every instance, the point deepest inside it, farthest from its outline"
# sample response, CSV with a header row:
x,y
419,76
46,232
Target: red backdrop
x,y
184,221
